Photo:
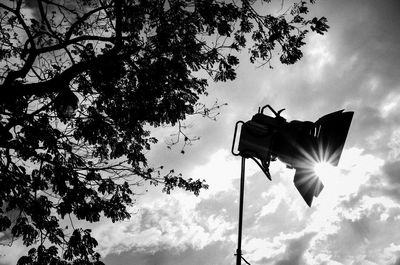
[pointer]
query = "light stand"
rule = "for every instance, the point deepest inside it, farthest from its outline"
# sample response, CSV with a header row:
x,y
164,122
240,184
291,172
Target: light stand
x,y
241,198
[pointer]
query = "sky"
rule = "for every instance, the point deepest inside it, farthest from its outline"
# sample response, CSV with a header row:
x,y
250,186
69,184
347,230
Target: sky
x,y
356,217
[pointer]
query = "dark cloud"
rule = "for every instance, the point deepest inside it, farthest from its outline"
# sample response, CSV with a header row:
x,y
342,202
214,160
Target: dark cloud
x,y
367,224
392,176
397,262
385,184
392,170
368,30
366,236
367,122
215,253
367,33
295,250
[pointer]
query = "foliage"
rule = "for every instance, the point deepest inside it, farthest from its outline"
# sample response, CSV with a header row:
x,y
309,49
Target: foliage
x,y
80,82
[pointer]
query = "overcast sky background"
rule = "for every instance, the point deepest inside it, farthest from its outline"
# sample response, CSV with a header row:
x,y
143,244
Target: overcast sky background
x,y
355,220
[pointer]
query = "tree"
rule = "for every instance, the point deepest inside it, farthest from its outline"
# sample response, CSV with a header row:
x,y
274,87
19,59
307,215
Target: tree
x,y
80,82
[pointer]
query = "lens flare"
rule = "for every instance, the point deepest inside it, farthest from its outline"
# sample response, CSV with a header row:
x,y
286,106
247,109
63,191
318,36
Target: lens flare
x,y
323,168
325,171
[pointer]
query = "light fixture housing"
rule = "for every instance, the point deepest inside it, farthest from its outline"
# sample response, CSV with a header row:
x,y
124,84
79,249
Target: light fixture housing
x,y
299,144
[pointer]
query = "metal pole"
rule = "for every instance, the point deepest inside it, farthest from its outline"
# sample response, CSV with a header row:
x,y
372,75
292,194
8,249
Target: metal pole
x,y
239,249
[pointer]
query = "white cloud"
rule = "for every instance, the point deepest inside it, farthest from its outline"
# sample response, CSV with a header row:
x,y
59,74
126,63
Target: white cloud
x,y
319,53
168,223
390,104
259,249
391,252
274,196
394,145
220,171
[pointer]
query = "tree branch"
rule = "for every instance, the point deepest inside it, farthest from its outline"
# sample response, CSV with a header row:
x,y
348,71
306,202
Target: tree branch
x,y
45,20
118,25
82,19
73,41
56,84
21,73
7,8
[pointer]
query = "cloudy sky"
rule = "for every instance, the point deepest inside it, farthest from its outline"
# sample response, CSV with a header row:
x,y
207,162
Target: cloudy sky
x,y
355,220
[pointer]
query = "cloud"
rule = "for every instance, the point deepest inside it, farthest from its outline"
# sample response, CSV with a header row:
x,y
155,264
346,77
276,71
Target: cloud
x,y
219,252
384,183
366,235
168,224
361,231
397,262
295,250
274,210
392,170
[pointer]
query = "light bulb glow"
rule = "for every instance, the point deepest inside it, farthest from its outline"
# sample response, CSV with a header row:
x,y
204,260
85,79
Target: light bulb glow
x,y
326,172
322,168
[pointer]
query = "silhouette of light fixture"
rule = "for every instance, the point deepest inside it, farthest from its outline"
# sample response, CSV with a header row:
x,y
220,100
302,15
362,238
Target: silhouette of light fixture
x,y
299,144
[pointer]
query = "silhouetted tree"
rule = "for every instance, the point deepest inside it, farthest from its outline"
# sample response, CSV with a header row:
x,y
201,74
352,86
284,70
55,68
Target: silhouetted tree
x,y
81,79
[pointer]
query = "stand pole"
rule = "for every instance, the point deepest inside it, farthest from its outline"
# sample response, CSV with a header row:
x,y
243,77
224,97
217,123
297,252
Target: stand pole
x,y
239,249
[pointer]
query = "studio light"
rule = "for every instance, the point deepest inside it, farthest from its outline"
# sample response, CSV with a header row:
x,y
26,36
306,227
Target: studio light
x,y
299,144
